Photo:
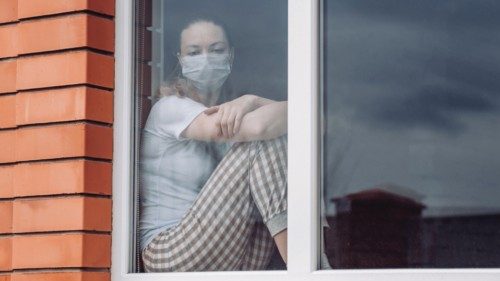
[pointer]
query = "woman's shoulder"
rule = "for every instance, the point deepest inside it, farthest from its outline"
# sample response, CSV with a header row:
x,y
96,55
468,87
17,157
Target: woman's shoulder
x,y
169,107
172,114
171,99
174,102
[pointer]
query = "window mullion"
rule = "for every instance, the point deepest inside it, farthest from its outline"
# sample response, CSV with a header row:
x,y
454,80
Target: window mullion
x,y
302,135
122,137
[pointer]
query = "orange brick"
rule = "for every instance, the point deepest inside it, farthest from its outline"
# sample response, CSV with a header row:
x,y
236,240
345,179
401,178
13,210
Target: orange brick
x,y
61,250
65,32
8,11
30,8
64,213
5,253
101,33
99,141
6,216
8,39
67,68
100,70
99,105
62,177
7,181
5,276
8,145
8,111
60,141
61,276
8,76
67,104
98,177
49,142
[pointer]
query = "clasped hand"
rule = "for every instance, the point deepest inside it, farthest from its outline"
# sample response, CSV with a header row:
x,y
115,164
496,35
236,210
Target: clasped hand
x,y
231,113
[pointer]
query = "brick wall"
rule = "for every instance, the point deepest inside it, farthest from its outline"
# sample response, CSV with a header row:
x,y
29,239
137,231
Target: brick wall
x,y
56,115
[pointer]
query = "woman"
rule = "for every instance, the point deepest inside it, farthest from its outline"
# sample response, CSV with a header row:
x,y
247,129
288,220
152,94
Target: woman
x,y
197,214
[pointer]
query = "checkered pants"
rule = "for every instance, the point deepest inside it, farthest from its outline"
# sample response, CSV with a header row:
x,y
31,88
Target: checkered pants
x,y
231,223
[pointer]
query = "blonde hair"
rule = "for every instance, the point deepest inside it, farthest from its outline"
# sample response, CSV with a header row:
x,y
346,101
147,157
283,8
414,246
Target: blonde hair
x,y
177,86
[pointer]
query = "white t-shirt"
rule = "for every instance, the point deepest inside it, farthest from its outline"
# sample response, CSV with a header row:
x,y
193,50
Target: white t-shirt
x,y
173,169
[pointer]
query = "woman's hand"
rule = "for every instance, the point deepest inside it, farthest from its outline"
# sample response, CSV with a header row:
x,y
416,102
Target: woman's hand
x,y
231,113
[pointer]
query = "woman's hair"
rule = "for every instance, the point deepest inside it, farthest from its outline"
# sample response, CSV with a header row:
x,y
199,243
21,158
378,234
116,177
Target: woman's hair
x,y
176,84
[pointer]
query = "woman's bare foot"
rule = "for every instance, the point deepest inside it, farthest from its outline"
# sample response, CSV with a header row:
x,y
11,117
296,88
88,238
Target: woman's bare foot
x,y
281,242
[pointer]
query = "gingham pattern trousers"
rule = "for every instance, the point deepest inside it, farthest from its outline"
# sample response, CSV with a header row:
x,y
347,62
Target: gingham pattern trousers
x,y
231,222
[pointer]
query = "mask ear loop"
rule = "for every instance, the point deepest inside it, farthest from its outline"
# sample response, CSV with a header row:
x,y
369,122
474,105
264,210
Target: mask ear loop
x,y
178,66
178,56
231,58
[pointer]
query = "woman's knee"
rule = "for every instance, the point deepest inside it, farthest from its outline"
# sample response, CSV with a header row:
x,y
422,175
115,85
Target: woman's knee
x,y
268,149
280,142
277,145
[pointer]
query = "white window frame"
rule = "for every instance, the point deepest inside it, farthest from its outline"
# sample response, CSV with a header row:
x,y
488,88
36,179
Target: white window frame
x,y
303,166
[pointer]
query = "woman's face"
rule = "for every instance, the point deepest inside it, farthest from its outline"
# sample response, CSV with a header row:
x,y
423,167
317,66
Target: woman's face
x,y
203,38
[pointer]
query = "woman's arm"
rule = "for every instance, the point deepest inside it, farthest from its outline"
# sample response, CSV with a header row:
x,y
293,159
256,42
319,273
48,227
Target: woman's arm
x,y
232,112
251,101
266,122
260,101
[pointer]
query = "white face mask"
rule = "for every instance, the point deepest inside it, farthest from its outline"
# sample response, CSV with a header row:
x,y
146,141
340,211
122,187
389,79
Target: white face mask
x,y
206,72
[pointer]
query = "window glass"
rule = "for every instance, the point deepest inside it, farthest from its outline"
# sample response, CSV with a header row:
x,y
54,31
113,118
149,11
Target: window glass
x,y
411,119
211,145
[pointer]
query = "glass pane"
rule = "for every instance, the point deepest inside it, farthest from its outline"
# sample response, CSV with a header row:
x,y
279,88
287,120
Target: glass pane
x,y
211,144
411,162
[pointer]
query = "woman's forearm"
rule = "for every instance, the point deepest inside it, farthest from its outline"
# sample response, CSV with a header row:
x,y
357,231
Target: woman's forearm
x,y
260,101
266,122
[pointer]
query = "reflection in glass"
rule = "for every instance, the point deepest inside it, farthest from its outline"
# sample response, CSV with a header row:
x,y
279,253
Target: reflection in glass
x,y
412,125
213,146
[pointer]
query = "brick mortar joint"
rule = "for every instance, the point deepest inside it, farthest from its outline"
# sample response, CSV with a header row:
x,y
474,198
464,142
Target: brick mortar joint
x,y
62,14
65,50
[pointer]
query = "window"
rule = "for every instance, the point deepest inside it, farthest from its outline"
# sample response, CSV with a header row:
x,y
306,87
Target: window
x,y
411,118
305,173
192,56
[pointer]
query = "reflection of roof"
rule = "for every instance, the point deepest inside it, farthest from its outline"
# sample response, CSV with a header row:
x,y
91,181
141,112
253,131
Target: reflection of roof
x,y
386,194
460,211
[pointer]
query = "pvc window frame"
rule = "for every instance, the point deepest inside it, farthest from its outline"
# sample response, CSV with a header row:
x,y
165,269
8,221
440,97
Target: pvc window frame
x,y
304,116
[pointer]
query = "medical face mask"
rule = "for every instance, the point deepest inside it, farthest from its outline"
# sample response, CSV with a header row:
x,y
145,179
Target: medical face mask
x,y
207,72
